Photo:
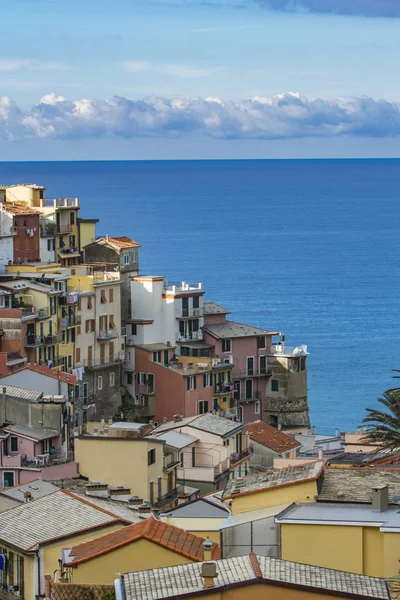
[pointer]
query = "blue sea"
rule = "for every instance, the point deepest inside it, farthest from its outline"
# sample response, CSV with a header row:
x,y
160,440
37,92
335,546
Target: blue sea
x,y
307,247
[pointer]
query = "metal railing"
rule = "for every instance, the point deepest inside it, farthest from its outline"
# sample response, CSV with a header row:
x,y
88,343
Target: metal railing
x,y
67,299
196,335
62,229
255,372
107,334
42,340
62,202
190,312
69,250
223,388
236,457
247,397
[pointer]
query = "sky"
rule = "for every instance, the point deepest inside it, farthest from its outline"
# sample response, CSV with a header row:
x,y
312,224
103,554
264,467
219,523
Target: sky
x,y
158,79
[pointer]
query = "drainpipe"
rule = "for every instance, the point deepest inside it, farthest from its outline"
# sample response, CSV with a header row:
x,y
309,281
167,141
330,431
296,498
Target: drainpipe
x,y
38,574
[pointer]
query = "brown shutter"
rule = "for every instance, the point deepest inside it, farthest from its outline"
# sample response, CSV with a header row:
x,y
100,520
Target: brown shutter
x,y
77,355
111,351
90,355
89,302
79,300
102,354
103,296
111,295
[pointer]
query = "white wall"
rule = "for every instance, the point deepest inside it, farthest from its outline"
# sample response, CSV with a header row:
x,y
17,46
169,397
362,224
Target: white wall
x,y
45,254
6,240
38,382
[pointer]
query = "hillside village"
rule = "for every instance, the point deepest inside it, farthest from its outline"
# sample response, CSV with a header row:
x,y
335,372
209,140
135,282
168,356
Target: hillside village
x,y
152,447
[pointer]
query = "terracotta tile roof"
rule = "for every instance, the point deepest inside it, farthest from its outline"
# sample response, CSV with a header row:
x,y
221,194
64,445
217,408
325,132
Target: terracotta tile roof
x,y
160,533
60,375
123,242
271,437
19,209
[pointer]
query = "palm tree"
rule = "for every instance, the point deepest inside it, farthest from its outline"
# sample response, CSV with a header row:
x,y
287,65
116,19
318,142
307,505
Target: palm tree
x,y
383,428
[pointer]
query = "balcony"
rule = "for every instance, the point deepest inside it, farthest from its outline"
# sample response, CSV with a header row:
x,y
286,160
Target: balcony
x,y
182,287
100,363
249,373
70,321
43,313
223,388
52,363
147,404
63,229
190,313
35,341
68,299
107,334
237,457
145,389
62,202
283,350
14,358
189,337
247,397
68,250
170,462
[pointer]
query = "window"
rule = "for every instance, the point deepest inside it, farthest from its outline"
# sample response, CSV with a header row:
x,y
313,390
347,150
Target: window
x,y
261,343
103,299
263,365
85,392
72,241
78,330
303,363
203,407
226,345
111,322
151,457
250,365
191,383
134,329
150,383
193,456
69,361
72,218
50,244
100,382
129,378
112,379
8,479
13,444
126,258
111,295
196,302
257,407
157,357
89,302
63,337
88,325
207,379
141,378
77,355
79,303
274,385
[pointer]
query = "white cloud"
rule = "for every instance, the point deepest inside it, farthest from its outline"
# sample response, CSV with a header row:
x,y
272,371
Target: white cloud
x,y
13,64
287,115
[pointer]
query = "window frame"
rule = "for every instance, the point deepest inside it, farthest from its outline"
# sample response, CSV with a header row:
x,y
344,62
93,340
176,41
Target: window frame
x,y
100,382
112,379
257,407
225,343
275,385
151,457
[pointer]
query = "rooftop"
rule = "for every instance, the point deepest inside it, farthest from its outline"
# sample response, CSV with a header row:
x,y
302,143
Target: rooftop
x,y
270,437
154,347
231,329
60,375
117,507
168,536
51,517
355,484
199,508
32,432
37,488
343,514
216,425
183,580
212,308
128,426
19,208
17,392
254,515
121,242
271,479
177,440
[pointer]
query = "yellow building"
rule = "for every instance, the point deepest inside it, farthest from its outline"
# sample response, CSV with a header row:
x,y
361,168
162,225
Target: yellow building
x,y
87,231
141,464
271,488
252,577
353,537
150,544
203,516
33,535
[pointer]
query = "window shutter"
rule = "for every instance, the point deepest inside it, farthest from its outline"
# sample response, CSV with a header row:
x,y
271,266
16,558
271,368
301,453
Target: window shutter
x,y
194,382
204,381
188,383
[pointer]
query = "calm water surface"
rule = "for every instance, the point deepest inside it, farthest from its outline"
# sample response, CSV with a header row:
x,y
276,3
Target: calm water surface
x,y
310,248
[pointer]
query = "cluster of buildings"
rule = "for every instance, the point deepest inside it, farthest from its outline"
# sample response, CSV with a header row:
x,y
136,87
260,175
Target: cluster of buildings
x,y
152,448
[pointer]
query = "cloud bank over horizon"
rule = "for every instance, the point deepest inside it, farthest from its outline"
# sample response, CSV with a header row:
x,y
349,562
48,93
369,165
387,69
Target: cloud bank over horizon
x,y
284,116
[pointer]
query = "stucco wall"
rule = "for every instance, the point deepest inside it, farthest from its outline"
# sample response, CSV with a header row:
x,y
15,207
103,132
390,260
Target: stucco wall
x,y
299,492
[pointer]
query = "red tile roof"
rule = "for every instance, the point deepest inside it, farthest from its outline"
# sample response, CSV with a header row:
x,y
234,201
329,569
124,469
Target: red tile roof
x,y
123,242
60,375
167,536
19,209
270,437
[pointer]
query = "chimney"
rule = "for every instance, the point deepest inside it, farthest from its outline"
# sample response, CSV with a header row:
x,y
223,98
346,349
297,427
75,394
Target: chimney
x,y
119,493
320,453
98,490
337,432
27,496
380,498
135,501
107,237
177,418
313,430
207,549
208,573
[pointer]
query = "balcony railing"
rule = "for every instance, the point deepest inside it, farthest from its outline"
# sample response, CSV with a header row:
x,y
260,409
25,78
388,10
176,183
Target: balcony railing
x,y
107,334
67,299
178,288
69,250
247,396
195,335
170,461
223,388
98,363
42,340
190,312
249,373
237,457
62,229
277,349
146,389
62,202
221,468
43,313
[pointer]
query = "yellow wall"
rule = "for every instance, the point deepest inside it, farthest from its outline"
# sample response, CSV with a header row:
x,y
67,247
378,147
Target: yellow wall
x,y
261,591
52,552
332,546
99,457
137,556
299,492
87,233
364,550
201,527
